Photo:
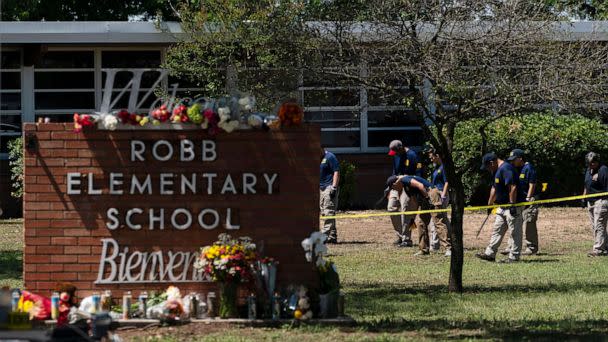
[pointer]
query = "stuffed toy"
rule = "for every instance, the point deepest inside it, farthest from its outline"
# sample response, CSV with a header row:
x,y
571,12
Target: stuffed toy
x,y
174,308
303,312
38,307
67,299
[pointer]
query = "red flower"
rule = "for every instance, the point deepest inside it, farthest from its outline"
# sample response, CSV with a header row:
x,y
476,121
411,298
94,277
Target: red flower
x,y
208,114
82,120
124,116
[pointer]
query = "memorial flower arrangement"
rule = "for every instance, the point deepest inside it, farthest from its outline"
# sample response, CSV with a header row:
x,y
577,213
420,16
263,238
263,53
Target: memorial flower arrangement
x,y
229,262
225,114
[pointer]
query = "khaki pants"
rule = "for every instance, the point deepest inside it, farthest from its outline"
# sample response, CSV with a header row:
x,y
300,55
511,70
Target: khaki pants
x,y
439,230
401,202
328,206
505,221
598,214
530,216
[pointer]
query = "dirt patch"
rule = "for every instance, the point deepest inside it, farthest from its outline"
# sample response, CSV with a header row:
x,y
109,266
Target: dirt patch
x,y
555,225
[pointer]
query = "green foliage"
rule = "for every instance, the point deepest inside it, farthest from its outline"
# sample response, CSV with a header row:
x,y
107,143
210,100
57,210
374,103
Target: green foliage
x,y
15,153
555,144
156,298
69,10
580,9
238,45
347,185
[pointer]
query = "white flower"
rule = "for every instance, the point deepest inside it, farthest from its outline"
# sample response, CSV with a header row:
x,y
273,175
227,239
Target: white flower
x,y
318,237
247,103
243,101
314,247
223,111
307,244
110,122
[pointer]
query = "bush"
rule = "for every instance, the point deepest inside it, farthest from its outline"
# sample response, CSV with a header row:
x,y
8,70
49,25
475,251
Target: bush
x,y
555,144
347,185
15,153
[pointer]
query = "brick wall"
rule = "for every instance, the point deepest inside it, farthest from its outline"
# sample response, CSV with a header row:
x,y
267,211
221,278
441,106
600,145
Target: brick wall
x,y
63,232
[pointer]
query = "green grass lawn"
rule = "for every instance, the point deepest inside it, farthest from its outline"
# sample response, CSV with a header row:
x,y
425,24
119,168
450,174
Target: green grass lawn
x,y
11,253
561,294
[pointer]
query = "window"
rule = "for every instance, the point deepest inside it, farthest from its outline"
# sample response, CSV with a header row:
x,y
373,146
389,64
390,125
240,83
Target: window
x,y
64,83
357,118
10,98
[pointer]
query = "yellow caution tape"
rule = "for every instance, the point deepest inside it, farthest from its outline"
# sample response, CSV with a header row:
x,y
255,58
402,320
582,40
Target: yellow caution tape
x,y
476,208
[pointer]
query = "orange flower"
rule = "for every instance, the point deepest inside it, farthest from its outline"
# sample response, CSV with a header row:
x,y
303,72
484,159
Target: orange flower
x,y
290,114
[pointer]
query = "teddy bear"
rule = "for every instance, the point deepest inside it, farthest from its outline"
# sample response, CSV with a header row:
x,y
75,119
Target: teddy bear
x,y
67,299
303,311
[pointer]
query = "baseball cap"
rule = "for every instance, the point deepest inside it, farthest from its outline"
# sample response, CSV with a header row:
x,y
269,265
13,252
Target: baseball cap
x,y
516,153
394,146
389,184
488,157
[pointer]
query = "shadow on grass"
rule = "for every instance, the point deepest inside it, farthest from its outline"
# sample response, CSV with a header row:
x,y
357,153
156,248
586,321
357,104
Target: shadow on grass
x,y
534,330
383,299
11,264
354,243
383,291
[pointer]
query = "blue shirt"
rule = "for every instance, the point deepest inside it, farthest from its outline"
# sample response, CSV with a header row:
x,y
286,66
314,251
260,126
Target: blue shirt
x,y
438,178
329,165
407,180
527,175
406,164
505,175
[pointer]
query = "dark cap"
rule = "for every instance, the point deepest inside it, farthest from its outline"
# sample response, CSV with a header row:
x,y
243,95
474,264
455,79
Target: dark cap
x,y
389,184
516,153
394,146
488,157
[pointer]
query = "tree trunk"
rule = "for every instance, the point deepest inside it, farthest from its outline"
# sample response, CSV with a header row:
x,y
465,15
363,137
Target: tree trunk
x,y
457,260
456,235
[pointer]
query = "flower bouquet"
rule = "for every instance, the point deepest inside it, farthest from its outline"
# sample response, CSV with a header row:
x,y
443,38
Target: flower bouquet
x,y
229,262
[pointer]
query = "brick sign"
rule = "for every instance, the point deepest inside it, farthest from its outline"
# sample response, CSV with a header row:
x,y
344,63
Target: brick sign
x,y
129,210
